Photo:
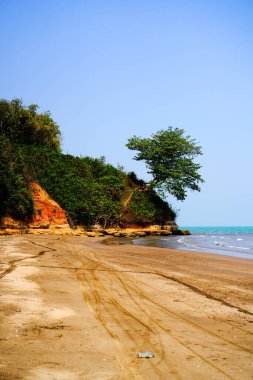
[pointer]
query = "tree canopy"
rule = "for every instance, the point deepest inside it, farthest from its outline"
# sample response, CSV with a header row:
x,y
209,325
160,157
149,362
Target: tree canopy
x,y
24,125
169,156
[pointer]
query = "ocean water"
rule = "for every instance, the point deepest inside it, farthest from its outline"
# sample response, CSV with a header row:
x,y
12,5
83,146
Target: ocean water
x,y
230,241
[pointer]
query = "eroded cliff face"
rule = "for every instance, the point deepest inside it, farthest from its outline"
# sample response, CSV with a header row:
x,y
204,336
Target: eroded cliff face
x,y
48,214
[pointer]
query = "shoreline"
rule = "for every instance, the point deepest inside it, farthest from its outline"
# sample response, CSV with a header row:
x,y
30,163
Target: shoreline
x,y
105,303
155,233
212,251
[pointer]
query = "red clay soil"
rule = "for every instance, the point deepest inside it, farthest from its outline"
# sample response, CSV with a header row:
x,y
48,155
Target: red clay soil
x,y
47,211
48,214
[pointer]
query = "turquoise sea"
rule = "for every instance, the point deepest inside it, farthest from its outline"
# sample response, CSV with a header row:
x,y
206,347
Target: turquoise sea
x,y
226,240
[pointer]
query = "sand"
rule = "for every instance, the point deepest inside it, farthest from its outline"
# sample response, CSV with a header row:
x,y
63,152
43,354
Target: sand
x,y
73,308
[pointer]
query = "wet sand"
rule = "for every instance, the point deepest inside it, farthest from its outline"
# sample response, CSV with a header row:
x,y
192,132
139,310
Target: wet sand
x,y
72,308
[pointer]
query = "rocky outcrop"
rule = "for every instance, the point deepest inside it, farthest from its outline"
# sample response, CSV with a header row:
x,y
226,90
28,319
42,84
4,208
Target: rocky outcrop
x,y
136,231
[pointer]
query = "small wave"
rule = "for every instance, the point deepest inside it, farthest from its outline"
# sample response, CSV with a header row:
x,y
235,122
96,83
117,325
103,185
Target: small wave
x,y
229,246
239,239
182,241
218,243
234,246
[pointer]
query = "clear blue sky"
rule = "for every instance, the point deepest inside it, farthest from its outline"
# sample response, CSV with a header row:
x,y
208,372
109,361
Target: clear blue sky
x,y
110,69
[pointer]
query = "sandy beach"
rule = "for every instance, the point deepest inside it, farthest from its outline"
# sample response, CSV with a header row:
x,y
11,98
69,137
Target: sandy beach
x,y
72,308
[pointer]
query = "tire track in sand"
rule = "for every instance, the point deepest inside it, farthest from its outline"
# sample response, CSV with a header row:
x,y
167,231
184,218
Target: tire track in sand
x,y
139,293
12,263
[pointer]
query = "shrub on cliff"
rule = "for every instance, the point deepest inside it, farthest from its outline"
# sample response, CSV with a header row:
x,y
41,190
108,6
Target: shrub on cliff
x,y
15,197
87,188
146,207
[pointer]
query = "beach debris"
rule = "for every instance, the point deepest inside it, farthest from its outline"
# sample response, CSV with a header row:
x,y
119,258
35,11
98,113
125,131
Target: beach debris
x,y
145,354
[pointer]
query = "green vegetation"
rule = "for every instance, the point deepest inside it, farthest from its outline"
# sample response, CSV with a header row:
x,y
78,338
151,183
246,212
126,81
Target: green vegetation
x,y
144,212
169,157
88,189
24,125
15,197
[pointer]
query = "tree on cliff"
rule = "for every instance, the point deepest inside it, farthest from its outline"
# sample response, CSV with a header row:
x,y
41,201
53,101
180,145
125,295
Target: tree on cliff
x,y
169,157
24,125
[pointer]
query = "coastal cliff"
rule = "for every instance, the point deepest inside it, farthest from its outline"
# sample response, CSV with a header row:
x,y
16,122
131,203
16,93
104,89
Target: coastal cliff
x,y
51,218
42,188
